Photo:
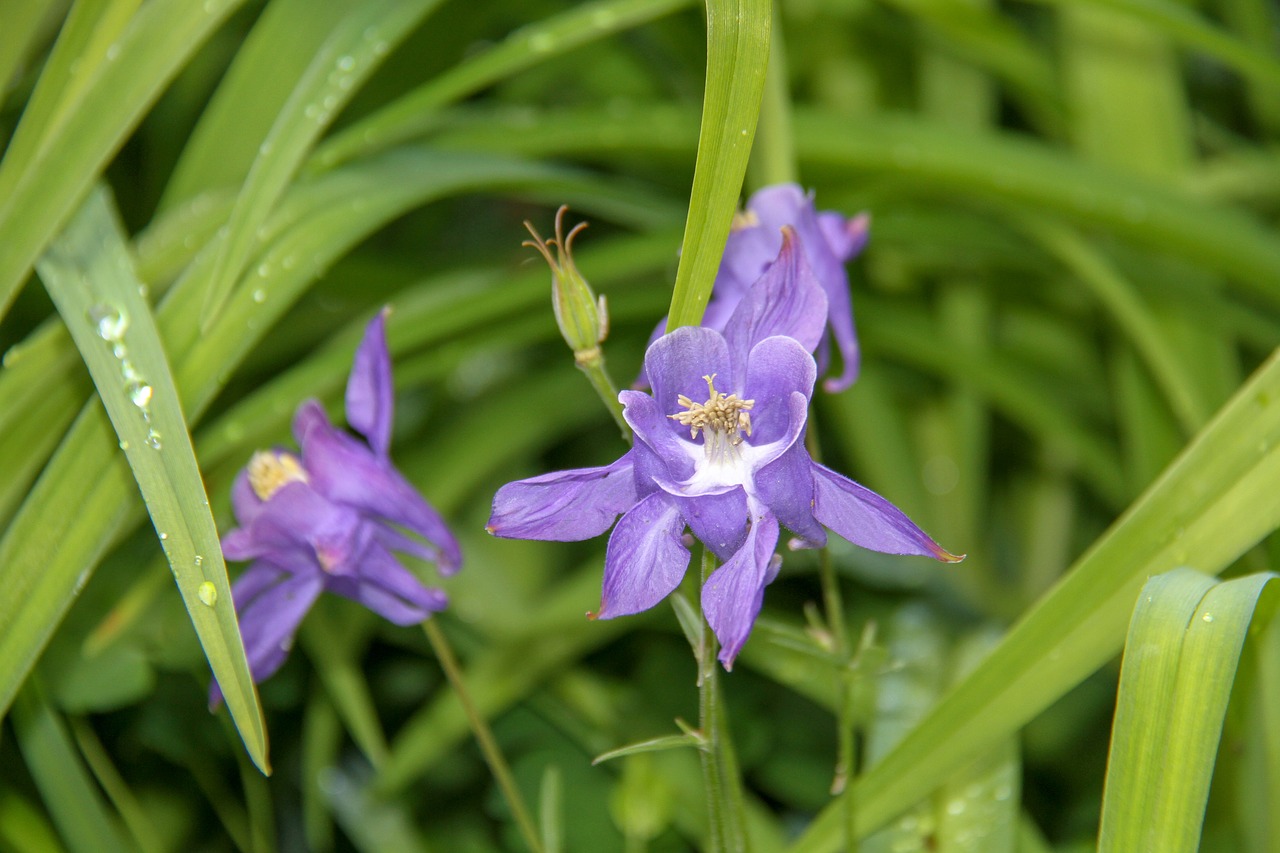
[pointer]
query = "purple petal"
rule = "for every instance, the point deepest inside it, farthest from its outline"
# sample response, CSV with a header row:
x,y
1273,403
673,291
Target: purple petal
x,y
389,589
269,619
718,520
565,506
677,363
654,432
840,314
733,595
785,486
646,558
776,368
298,529
866,519
245,502
370,398
846,237
787,300
346,472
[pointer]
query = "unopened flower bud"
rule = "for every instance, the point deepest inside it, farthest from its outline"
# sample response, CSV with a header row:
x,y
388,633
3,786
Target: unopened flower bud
x,y
582,317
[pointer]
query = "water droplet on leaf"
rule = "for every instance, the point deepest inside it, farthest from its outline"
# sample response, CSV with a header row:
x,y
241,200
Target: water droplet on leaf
x,y
110,322
208,594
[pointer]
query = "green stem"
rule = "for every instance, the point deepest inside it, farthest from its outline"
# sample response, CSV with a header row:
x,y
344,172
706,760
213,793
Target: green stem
x,y
833,603
773,157
725,807
484,737
598,375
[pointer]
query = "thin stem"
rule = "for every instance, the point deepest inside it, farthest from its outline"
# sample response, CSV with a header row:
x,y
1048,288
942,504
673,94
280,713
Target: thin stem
x,y
833,603
598,375
484,737
725,806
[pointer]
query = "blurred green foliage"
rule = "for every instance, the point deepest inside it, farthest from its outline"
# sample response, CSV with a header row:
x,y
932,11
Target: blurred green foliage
x,y
1066,310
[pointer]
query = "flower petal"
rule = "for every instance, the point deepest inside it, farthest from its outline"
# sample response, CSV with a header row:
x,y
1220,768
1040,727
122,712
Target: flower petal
x,y
245,502
269,618
866,519
719,520
733,595
295,529
370,395
676,364
646,558
346,472
389,589
565,506
777,368
787,300
654,433
846,237
785,486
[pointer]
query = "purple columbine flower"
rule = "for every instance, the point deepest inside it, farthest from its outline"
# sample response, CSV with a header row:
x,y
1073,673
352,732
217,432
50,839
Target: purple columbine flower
x,y
332,519
719,449
829,240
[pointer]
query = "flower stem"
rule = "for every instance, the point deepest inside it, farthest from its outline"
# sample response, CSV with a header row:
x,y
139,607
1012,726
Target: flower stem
x,y
725,806
484,737
598,375
846,757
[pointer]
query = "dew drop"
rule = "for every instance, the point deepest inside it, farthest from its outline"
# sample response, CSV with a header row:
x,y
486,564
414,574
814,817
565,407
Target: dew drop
x,y
110,322
208,594
1208,617
140,394
265,148
144,291
113,53
198,561
289,262
263,270
956,807
153,439
124,445
347,63
259,296
163,536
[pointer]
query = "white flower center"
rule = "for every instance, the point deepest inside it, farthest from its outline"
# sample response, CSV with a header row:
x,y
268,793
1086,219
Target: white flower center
x,y
270,471
722,420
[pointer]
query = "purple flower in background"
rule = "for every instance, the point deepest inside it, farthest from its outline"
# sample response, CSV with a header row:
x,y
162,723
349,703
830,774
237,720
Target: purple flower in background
x,y
829,241
720,449
332,519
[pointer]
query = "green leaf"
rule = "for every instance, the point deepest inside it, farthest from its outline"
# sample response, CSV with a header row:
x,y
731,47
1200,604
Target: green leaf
x,y
737,59
1210,505
348,56
65,784
416,112
657,744
40,190
1180,662
88,274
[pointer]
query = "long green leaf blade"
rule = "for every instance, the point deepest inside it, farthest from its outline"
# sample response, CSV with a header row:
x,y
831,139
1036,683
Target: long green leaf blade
x,y
90,278
1180,662
737,59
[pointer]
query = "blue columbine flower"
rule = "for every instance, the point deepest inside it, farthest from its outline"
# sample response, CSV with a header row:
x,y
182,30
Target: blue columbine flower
x,y
332,518
719,449
829,240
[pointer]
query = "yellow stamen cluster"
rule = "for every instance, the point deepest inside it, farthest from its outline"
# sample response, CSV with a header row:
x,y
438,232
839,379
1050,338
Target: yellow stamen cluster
x,y
270,471
722,416
744,219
